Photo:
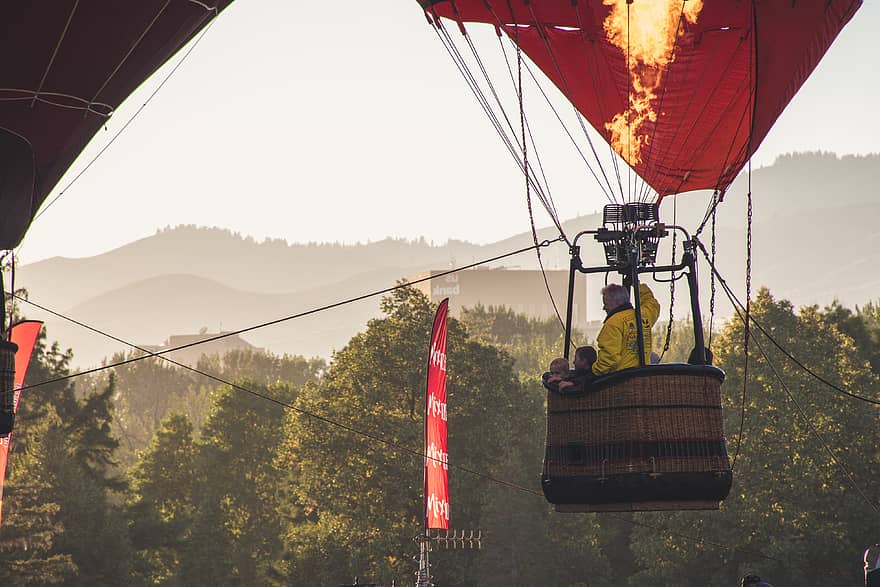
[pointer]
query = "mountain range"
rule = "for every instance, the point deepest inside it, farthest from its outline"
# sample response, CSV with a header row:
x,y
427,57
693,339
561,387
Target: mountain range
x,y
814,240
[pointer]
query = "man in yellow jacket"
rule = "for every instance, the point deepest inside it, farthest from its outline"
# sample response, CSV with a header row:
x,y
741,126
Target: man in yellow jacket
x,y
618,339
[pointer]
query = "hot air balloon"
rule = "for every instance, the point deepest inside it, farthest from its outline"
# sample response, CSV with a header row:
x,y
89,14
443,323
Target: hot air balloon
x,y
74,62
683,91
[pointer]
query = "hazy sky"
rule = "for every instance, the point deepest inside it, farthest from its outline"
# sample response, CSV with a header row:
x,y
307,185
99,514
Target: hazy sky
x,y
303,121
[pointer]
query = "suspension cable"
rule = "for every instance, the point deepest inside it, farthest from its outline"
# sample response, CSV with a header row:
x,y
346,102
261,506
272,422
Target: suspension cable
x,y
567,89
712,279
739,305
515,150
748,317
365,296
834,459
380,439
671,281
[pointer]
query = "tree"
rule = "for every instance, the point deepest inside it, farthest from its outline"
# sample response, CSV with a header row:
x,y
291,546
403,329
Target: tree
x,y
262,367
861,325
531,342
356,501
62,464
147,390
793,514
235,529
31,523
162,502
83,479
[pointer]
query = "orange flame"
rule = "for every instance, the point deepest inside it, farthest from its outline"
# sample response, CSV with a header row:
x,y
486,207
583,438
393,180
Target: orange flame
x,y
645,30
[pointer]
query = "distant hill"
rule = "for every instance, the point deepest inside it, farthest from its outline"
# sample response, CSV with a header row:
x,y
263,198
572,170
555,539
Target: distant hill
x,y
814,240
148,311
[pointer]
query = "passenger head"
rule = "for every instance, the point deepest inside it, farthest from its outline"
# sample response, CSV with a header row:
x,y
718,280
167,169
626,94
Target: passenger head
x,y
559,366
613,296
584,357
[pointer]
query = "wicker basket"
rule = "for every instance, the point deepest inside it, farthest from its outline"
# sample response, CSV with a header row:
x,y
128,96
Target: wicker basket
x,y
642,439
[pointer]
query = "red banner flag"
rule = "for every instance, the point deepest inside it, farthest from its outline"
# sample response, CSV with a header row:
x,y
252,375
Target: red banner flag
x,y
24,334
436,455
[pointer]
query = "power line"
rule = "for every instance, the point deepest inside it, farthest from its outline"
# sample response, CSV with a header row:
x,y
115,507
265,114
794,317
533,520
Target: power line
x,y
371,436
544,243
737,304
265,397
839,463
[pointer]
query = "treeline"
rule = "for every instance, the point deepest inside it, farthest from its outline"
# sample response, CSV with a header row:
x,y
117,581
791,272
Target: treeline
x,y
289,471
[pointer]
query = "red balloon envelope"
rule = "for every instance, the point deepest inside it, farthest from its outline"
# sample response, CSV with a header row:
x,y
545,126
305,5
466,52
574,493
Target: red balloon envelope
x,y
706,78
67,65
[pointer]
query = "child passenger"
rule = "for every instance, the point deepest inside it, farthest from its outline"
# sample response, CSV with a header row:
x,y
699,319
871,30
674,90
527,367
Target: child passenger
x,y
558,372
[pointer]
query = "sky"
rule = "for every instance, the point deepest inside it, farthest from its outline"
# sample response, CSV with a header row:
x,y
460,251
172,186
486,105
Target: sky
x,y
310,123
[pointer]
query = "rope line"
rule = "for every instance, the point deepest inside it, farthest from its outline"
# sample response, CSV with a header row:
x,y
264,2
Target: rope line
x,y
476,90
522,120
382,440
566,89
365,296
131,49
783,350
546,199
283,404
54,53
834,459
531,178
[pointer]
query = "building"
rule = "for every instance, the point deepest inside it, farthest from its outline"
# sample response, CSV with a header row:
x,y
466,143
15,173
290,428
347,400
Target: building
x,y
521,290
196,347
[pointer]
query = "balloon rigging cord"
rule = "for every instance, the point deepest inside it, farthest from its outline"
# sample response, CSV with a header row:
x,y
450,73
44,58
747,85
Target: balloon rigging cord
x,y
566,89
55,52
629,106
127,123
609,193
804,367
602,109
522,122
738,306
544,195
470,79
132,49
646,189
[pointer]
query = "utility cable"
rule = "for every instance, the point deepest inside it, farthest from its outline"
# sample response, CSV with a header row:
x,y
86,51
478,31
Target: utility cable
x,y
271,399
365,296
783,350
837,462
374,437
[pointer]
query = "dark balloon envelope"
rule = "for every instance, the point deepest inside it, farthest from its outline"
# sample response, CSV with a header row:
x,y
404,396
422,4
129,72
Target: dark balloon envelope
x,y
68,65
712,97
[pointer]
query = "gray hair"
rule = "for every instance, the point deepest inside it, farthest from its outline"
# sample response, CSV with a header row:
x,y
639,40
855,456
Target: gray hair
x,y
617,295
